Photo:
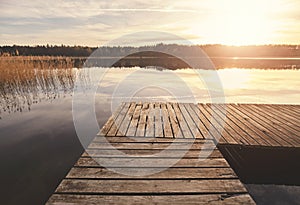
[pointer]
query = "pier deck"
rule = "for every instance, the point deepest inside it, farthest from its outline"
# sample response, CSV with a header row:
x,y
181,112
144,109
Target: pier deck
x,y
145,131
245,124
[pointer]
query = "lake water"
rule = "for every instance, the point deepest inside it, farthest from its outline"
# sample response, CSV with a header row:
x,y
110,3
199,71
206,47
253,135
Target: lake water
x,y
38,142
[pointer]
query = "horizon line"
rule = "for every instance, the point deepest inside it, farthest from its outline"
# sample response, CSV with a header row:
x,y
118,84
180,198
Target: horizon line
x,y
99,46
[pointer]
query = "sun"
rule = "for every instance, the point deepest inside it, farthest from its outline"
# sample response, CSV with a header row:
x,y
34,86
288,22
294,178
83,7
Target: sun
x,y
236,22
245,24
244,29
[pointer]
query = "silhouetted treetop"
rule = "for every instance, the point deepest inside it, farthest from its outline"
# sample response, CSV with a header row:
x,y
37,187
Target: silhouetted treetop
x,y
213,50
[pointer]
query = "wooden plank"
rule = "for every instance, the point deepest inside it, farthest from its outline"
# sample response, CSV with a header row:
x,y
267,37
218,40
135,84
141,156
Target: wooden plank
x,y
134,121
181,122
126,121
220,135
200,119
118,121
190,122
257,128
150,122
185,162
149,153
141,129
106,127
296,108
284,116
281,131
166,122
151,128
149,140
241,134
200,126
228,133
177,133
158,124
150,186
243,124
151,199
211,129
160,146
289,110
276,120
276,133
174,173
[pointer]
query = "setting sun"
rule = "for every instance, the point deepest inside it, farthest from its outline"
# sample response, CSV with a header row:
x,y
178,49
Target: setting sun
x,y
240,27
241,22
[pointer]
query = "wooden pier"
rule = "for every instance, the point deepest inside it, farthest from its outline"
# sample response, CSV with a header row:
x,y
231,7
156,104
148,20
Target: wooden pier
x,y
201,176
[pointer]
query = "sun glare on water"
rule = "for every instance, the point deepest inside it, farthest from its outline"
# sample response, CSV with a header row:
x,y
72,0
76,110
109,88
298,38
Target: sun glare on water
x,y
234,78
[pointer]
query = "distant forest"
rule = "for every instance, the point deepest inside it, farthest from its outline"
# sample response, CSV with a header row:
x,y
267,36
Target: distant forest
x,y
211,50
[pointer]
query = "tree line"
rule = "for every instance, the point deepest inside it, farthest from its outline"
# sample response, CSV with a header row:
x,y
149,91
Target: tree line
x,y
212,50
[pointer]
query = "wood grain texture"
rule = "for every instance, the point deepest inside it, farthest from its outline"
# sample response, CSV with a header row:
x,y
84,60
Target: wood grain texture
x,y
141,132
184,162
213,199
149,186
175,173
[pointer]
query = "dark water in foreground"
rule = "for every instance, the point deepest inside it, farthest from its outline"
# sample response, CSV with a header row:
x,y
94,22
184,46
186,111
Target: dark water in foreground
x,y
38,143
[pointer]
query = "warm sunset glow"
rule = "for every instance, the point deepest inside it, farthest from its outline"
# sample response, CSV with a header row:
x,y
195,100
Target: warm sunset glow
x,y
236,22
234,78
240,27
231,22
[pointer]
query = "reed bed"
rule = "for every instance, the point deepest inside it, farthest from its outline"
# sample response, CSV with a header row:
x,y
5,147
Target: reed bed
x,y
25,81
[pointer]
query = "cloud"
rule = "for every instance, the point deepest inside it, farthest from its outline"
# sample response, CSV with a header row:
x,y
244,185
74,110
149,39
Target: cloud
x,y
91,22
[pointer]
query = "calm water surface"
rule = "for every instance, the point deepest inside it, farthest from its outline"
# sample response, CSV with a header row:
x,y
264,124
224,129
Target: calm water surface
x,y
38,142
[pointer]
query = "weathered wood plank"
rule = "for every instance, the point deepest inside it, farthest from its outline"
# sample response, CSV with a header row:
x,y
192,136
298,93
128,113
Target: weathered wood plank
x,y
118,121
141,128
150,186
219,134
186,132
228,133
292,119
289,110
203,132
150,122
134,121
181,145
148,152
190,122
185,162
177,133
107,126
276,120
261,133
166,122
126,121
242,135
174,173
244,125
211,129
212,199
282,133
149,140
158,124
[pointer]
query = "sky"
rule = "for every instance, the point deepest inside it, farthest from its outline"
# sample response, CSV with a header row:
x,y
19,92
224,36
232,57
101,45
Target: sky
x,y
96,22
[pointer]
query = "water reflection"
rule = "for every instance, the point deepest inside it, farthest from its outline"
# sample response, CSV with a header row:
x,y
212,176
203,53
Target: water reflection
x,y
256,63
20,88
39,147
26,81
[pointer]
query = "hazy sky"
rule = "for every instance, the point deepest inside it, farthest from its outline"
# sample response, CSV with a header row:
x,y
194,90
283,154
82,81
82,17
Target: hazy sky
x,y
95,22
